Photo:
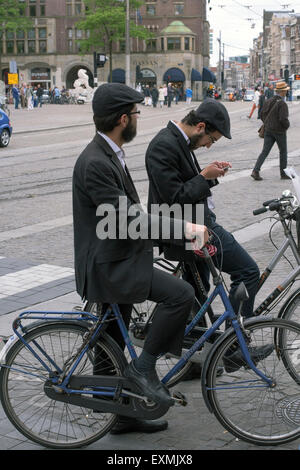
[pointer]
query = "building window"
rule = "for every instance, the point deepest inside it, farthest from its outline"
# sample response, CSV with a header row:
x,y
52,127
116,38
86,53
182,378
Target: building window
x,y
162,44
42,33
186,44
31,34
69,9
122,46
151,45
70,45
42,47
32,10
20,47
31,47
173,43
42,10
178,9
10,47
78,8
151,10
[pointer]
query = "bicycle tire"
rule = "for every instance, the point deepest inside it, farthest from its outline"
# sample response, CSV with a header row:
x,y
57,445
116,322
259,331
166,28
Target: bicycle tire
x,y
292,311
165,362
48,422
240,401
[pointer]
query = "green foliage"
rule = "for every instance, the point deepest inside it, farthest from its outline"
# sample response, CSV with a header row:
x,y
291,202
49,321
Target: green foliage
x,y
105,21
12,16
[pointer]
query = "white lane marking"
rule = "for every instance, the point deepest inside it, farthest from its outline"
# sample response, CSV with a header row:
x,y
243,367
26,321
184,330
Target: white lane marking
x,y
20,281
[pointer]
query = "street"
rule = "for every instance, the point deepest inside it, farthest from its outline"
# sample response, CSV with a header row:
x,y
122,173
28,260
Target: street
x,y
36,230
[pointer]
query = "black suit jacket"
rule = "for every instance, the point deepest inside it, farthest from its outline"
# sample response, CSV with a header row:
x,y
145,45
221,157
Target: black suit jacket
x,y
174,178
111,270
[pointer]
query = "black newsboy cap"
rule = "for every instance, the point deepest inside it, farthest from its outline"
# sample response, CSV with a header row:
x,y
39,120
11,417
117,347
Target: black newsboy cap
x,y
111,97
216,114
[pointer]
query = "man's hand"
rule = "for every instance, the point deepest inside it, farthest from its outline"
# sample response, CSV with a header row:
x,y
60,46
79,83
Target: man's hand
x,y
198,234
215,170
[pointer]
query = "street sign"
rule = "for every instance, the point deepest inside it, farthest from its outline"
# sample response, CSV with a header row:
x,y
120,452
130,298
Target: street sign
x,y
297,77
13,79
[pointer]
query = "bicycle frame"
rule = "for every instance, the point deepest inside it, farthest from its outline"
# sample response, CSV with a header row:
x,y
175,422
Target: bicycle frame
x,y
114,310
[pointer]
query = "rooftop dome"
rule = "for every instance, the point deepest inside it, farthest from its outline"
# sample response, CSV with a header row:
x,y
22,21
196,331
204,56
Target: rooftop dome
x,y
177,27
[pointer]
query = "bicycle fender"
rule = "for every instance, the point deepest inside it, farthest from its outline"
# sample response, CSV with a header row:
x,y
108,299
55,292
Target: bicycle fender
x,y
26,329
288,302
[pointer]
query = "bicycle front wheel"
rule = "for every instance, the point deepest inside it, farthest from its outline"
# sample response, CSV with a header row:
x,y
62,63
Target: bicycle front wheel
x,y
48,422
242,402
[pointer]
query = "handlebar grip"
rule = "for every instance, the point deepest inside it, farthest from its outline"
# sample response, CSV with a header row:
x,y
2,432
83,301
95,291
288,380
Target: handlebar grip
x,y
267,203
260,211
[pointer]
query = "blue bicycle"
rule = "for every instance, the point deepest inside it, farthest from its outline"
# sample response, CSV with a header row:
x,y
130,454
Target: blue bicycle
x,y
61,380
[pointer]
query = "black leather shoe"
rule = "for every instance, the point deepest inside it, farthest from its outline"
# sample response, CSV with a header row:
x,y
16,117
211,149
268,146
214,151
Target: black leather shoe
x,y
234,361
149,384
283,176
256,176
125,425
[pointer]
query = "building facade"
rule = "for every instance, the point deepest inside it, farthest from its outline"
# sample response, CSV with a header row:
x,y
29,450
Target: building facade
x,y
277,49
48,53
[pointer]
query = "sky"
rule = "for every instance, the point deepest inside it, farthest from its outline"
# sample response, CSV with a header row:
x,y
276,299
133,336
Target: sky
x,y
240,21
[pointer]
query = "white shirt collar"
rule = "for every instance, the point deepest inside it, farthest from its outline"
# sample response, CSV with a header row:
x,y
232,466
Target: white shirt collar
x,y
118,151
182,132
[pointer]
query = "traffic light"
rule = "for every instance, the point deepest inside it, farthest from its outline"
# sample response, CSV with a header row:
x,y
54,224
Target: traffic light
x,y
286,75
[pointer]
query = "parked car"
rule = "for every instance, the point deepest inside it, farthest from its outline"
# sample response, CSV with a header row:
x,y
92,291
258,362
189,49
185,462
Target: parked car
x,y
5,129
249,95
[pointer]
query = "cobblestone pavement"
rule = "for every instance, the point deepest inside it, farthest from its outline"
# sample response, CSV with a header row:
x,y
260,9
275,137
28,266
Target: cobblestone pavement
x,y
191,427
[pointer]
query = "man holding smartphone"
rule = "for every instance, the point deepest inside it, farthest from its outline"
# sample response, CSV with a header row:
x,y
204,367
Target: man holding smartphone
x,y
175,177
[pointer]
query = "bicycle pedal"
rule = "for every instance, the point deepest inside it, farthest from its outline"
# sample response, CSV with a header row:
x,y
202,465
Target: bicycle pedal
x,y
179,399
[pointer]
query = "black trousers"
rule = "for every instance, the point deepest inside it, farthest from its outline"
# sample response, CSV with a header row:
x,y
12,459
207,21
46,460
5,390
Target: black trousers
x,y
175,298
269,140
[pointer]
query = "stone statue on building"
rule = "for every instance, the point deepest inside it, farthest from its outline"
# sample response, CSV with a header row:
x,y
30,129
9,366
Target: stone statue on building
x,y
82,90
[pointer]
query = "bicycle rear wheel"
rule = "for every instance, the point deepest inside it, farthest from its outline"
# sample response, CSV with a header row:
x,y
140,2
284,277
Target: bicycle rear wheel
x,y
48,422
243,403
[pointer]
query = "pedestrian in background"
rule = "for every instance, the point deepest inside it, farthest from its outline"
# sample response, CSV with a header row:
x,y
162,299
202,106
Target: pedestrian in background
x,y
28,94
170,94
22,95
39,94
261,102
16,96
161,96
188,94
165,89
147,96
154,94
274,115
255,102
269,93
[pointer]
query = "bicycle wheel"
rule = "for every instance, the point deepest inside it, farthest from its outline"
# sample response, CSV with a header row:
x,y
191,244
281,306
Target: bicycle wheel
x,y
141,313
243,403
292,311
45,421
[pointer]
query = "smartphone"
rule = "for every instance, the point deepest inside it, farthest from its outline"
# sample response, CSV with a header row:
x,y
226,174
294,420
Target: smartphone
x,y
226,168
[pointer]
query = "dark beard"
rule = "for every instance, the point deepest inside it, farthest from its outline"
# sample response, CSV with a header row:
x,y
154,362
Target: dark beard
x,y
129,133
194,141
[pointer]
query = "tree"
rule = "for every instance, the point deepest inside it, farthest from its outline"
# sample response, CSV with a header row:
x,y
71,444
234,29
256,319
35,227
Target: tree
x,y
104,23
12,18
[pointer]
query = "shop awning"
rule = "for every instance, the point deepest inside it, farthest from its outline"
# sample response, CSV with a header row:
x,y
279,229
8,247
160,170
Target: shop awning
x,y
174,75
208,76
196,76
118,76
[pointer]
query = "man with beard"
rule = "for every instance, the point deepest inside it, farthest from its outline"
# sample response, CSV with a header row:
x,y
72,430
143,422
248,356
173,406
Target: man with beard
x,y
113,267
175,177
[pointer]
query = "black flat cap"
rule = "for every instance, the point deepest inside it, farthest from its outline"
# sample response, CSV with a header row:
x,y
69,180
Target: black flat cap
x,y
215,113
112,97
